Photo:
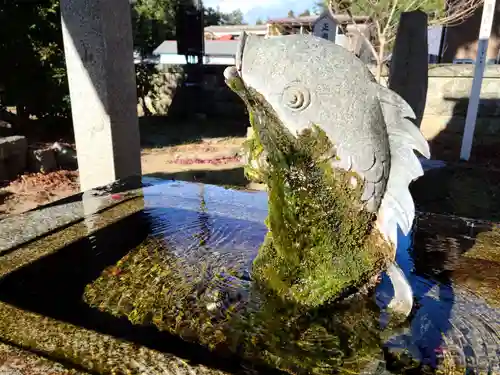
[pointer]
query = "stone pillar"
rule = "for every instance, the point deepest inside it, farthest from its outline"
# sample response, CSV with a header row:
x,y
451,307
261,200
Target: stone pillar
x,y
99,59
408,74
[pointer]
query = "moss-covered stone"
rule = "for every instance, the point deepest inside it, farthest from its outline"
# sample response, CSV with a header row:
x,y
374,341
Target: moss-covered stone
x,y
209,304
254,155
321,242
486,246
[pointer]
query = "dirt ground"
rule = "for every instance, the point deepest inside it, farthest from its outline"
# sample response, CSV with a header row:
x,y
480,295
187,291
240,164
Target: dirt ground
x,y
204,151
211,160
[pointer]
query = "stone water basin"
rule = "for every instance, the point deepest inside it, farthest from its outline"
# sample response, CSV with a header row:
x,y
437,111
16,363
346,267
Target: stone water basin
x,y
156,280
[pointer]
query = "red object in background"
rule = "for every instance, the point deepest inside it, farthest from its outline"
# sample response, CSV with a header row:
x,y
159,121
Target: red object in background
x,y
225,37
116,196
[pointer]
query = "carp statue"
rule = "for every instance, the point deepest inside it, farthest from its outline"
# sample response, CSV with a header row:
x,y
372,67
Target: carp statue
x,y
337,152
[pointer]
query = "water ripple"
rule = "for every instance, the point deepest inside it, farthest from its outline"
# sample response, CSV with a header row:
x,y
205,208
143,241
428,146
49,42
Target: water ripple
x,y
207,296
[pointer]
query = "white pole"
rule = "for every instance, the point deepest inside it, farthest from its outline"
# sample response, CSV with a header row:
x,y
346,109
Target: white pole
x,y
475,92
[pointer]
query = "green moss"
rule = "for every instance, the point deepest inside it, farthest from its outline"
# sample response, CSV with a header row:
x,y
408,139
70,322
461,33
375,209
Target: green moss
x,y
486,246
320,241
254,170
340,338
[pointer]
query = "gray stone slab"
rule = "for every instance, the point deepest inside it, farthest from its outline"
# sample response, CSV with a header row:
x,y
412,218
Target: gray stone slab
x,y
98,50
42,160
13,156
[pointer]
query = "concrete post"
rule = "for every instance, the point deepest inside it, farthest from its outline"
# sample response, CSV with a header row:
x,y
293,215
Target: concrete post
x,y
409,70
98,48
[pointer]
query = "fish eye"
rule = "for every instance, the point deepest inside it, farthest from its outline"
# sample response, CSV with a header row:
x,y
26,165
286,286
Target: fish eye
x,y
296,97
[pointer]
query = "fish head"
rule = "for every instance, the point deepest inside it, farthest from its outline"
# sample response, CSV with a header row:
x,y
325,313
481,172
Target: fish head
x,y
302,78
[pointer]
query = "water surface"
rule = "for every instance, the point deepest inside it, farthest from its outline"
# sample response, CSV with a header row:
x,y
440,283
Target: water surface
x,y
181,266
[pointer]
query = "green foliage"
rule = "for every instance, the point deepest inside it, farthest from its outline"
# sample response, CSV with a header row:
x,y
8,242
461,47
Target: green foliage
x,y
212,17
32,59
32,65
233,18
153,21
216,17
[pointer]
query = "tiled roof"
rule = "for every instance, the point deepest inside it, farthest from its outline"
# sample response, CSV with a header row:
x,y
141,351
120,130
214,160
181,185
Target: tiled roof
x,y
212,48
340,18
235,28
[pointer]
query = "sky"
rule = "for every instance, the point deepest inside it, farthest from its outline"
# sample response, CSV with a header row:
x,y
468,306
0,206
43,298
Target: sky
x,y
255,9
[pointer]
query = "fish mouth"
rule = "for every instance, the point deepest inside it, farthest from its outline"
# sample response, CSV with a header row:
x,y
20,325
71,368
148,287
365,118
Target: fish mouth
x,y
240,50
236,71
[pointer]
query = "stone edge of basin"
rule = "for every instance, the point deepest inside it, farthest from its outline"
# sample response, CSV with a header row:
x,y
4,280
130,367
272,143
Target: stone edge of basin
x,y
67,343
86,349
19,229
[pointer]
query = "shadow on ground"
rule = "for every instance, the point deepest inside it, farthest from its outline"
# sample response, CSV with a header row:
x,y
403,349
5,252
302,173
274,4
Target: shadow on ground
x,y
234,178
486,144
4,195
38,130
460,189
161,131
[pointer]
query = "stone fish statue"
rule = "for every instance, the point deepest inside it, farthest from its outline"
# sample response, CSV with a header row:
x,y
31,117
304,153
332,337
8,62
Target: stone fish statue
x,y
339,158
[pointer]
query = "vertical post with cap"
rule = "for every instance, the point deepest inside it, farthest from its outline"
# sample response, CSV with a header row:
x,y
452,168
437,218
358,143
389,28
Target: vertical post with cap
x,y
475,93
409,69
98,49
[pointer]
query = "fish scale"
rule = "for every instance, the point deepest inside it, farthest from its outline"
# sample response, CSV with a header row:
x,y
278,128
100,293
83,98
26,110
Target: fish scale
x,y
310,82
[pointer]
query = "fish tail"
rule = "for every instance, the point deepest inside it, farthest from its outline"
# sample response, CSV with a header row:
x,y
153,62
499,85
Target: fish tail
x,y
397,207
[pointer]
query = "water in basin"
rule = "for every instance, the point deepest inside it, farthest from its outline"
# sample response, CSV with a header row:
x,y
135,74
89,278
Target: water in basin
x,y
187,273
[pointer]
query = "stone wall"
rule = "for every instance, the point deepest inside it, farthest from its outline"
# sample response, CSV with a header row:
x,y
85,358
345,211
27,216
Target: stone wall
x,y
160,90
169,97
447,100
444,116
446,108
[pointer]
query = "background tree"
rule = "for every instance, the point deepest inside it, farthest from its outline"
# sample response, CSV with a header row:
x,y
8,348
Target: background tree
x,y
305,13
32,65
212,17
233,18
384,18
291,14
153,21
32,62
259,22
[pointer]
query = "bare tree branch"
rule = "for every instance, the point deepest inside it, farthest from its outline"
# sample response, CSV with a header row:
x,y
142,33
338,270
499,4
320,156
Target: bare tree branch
x,y
354,23
384,16
391,14
457,11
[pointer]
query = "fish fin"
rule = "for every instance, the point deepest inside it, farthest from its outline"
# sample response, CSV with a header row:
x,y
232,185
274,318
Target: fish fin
x,y
402,302
397,207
